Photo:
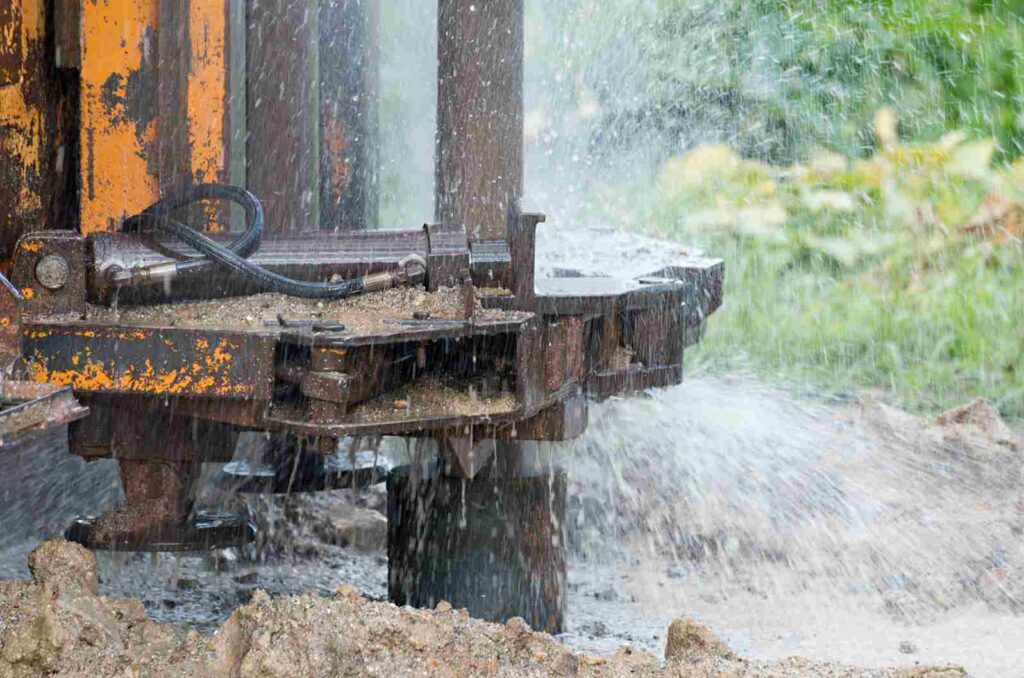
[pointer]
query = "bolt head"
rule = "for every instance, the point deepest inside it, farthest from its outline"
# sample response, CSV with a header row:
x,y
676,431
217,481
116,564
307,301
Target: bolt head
x,y
52,271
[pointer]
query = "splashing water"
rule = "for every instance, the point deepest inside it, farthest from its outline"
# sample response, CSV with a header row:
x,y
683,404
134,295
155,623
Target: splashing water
x,y
854,532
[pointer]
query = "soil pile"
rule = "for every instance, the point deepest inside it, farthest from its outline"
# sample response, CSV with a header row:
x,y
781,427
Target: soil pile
x,y
57,624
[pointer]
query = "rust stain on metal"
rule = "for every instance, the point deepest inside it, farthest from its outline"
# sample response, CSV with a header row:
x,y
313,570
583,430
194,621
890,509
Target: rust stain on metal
x,y
124,360
339,168
118,108
25,137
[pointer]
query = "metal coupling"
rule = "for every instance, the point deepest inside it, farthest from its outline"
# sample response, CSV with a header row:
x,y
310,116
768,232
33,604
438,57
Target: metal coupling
x,y
142,275
412,269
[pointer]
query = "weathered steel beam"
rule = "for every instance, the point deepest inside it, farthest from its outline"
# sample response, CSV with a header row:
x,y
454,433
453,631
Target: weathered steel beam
x,y
282,112
479,160
349,149
35,126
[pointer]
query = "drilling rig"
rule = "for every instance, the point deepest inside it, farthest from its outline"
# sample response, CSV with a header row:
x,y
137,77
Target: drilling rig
x,y
190,251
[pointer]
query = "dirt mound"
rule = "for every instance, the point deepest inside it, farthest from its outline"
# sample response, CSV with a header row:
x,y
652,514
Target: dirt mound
x,y
57,625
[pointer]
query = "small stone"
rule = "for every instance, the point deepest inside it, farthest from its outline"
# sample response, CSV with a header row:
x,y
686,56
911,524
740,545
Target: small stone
x,y
347,592
519,631
223,560
250,577
187,583
689,640
260,597
245,594
444,606
63,564
907,647
170,603
566,664
421,315
357,528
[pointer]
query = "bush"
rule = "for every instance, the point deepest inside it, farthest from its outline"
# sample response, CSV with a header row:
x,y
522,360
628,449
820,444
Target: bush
x,y
901,271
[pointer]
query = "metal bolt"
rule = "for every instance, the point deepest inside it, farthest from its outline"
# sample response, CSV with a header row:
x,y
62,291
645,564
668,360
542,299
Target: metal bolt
x,y
52,271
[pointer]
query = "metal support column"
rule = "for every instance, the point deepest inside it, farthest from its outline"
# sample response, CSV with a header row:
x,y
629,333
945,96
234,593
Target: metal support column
x,y
479,161
494,544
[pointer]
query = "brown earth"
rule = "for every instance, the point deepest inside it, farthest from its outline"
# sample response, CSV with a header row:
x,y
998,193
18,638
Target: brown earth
x,y
58,625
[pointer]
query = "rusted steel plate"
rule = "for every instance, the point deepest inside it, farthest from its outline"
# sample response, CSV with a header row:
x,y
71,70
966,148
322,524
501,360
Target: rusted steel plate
x,y
530,367
119,99
10,324
409,330
491,264
522,245
329,386
447,255
563,352
150,361
603,384
656,336
705,286
49,269
299,422
31,125
562,421
26,407
282,114
583,296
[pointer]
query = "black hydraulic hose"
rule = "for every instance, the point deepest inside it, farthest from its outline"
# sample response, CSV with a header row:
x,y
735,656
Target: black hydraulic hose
x,y
247,243
233,257
267,280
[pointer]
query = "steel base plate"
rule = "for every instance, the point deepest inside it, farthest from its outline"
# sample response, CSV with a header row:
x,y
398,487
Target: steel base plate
x,y
207,532
313,473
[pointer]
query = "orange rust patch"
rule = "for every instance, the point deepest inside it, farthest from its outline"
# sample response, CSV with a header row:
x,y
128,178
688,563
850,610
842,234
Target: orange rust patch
x,y
91,375
207,373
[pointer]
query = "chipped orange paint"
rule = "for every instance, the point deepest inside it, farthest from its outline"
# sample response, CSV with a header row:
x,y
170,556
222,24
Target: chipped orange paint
x,y
209,375
28,292
21,119
206,95
31,245
116,180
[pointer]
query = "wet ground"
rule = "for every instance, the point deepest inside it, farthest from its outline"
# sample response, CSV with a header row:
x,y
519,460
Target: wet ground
x,y
841,532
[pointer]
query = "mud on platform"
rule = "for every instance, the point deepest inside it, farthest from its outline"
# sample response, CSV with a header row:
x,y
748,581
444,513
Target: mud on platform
x,y
361,314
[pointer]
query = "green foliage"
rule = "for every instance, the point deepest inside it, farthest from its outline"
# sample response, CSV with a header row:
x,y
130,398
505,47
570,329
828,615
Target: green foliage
x,y
775,79
894,272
